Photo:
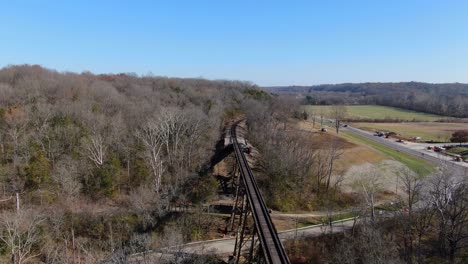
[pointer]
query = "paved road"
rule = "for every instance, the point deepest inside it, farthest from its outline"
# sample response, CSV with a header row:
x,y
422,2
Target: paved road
x,y
225,247
432,157
306,215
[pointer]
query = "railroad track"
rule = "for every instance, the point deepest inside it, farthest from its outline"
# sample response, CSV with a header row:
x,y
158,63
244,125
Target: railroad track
x,y
271,246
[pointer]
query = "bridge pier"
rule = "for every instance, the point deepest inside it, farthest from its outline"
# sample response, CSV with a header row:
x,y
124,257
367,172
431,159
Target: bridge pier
x,y
252,245
239,195
245,232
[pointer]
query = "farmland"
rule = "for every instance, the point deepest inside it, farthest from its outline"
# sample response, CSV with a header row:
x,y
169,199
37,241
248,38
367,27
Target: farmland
x,y
438,132
375,113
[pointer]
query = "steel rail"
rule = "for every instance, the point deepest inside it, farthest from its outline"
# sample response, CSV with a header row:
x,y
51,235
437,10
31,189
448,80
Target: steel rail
x,y
272,248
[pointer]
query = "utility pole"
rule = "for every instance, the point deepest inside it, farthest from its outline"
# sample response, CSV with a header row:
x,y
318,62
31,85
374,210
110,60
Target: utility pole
x,y
295,235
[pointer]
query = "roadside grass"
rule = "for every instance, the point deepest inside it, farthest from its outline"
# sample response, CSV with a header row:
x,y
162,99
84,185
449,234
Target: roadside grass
x,y
462,151
305,222
376,112
415,164
390,207
457,150
438,132
337,217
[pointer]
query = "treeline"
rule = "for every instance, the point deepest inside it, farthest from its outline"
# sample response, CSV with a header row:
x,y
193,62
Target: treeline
x,y
442,99
122,145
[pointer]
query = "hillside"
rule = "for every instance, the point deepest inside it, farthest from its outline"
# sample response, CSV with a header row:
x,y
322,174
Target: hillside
x,y
98,160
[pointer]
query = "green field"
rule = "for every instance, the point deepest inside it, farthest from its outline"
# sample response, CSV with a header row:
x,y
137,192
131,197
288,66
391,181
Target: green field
x,y
374,112
415,164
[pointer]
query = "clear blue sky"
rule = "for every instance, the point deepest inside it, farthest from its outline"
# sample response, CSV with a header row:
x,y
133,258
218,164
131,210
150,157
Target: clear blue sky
x,y
267,42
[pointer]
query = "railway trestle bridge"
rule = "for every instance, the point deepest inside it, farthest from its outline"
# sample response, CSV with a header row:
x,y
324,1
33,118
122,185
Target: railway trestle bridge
x,y
257,241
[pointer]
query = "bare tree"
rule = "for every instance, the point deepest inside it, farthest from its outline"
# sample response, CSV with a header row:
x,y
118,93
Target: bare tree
x,y
96,148
338,112
40,122
173,126
366,245
412,185
21,234
66,174
324,163
7,95
95,143
150,135
369,184
422,222
450,199
16,121
413,224
170,139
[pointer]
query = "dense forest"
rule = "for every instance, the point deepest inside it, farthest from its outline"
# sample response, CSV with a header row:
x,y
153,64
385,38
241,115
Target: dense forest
x,y
97,160
442,99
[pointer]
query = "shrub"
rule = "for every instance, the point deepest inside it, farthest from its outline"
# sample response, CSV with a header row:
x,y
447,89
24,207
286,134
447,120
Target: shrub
x,y
102,180
37,171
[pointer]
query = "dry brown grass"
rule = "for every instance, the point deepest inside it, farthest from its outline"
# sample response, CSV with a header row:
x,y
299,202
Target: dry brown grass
x,y
354,153
284,223
358,155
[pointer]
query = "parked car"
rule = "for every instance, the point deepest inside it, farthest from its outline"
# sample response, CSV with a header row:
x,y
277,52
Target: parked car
x,y
439,149
379,134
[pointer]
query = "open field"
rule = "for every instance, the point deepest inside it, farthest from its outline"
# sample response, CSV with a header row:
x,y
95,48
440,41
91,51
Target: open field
x,y
359,154
375,112
411,162
354,154
439,132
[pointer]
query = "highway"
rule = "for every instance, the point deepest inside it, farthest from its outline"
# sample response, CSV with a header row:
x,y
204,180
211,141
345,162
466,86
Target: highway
x,y
433,157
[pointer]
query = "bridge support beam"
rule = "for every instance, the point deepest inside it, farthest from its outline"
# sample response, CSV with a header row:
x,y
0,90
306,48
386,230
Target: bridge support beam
x,y
246,249
252,245
239,196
